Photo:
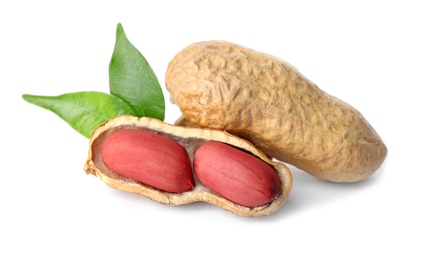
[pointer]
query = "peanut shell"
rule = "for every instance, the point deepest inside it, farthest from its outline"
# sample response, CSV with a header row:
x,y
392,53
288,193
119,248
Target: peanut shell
x,y
222,85
191,139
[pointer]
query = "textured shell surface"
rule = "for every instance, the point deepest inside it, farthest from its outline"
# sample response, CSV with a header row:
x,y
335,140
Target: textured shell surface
x,y
222,85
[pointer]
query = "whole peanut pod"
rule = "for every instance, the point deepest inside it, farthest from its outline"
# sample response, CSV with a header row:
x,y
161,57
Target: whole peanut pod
x,y
117,163
222,85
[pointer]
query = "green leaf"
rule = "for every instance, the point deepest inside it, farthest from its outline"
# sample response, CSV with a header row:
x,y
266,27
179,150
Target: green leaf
x,y
84,111
133,80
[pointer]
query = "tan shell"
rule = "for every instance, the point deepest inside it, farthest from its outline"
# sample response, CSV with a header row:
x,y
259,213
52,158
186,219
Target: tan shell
x,y
191,139
221,85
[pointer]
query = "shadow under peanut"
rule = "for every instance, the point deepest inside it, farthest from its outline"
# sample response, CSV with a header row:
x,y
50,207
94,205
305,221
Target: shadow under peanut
x,y
308,192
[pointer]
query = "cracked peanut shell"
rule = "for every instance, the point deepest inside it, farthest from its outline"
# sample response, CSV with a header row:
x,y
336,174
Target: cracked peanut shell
x,y
191,139
222,85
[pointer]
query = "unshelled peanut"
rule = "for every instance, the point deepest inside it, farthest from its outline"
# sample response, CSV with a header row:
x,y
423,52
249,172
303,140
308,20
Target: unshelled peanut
x,y
236,175
148,158
226,86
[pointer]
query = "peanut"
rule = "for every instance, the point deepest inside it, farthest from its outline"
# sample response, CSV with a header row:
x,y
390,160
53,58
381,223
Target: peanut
x,y
115,147
225,86
148,158
236,175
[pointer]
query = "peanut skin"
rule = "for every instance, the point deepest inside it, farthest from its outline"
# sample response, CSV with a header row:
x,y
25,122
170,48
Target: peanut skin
x,y
149,158
236,175
222,85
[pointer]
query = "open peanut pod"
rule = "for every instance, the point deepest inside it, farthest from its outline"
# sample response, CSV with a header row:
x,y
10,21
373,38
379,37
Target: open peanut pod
x,y
192,139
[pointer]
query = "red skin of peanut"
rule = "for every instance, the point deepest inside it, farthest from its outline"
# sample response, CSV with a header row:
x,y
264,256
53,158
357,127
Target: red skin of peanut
x,y
148,158
236,175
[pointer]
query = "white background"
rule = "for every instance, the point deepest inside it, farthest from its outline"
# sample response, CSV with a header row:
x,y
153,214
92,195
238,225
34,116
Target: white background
x,y
371,54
